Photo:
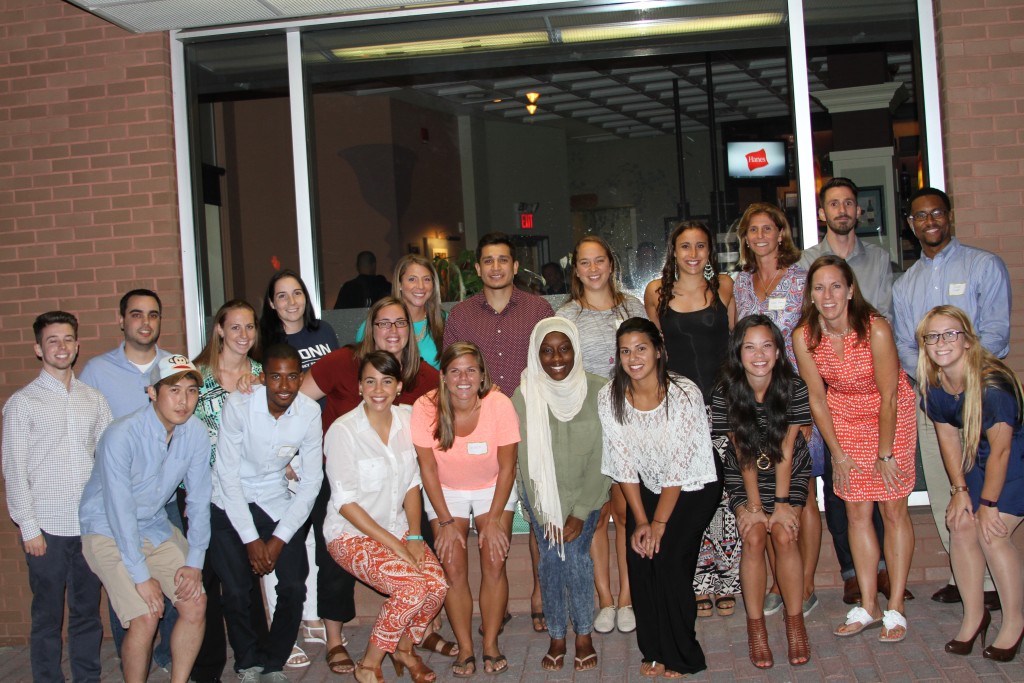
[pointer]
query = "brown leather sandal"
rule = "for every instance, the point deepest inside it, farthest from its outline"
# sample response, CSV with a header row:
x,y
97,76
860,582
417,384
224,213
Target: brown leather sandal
x,y
340,665
418,671
796,636
757,643
374,670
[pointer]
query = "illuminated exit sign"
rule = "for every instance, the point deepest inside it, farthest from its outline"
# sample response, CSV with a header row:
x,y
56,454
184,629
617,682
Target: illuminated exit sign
x,y
526,221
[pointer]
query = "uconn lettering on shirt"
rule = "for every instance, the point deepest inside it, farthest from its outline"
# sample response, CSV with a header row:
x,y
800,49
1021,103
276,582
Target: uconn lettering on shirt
x,y
314,352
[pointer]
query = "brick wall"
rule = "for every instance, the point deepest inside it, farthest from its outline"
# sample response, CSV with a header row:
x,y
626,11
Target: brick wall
x,y
87,200
981,68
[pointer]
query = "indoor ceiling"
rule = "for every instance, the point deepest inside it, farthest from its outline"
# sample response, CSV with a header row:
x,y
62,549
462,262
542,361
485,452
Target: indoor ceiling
x,y
608,88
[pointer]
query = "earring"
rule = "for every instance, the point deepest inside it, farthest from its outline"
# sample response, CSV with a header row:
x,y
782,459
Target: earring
x,y
675,271
709,271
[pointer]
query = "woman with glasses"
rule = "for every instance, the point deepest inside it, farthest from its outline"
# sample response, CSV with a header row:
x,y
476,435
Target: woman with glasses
x,y
336,378
466,434
864,407
965,387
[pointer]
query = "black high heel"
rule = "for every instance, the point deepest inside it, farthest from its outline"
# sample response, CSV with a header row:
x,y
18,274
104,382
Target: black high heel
x,y
1003,654
964,647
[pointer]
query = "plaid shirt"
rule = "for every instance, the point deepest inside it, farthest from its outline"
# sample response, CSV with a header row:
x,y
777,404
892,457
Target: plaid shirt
x,y
50,436
504,338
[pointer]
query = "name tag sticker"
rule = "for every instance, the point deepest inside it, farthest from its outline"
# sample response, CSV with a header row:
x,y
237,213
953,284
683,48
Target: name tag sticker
x,y
286,451
477,448
776,303
957,288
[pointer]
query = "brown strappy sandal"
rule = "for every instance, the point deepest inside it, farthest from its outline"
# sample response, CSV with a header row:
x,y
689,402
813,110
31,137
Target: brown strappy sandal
x,y
796,636
757,642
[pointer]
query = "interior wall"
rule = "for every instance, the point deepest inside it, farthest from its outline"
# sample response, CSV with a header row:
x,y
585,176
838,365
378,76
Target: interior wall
x,y
259,204
527,163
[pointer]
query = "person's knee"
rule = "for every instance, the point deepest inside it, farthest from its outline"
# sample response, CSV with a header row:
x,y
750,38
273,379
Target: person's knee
x,y
895,512
754,538
143,625
192,611
492,569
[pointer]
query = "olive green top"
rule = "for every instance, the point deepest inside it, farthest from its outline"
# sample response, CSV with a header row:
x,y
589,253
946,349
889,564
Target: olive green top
x,y
577,451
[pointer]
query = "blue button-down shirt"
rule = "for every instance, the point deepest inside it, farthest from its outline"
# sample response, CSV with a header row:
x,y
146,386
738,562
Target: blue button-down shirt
x,y
969,278
136,472
120,382
253,449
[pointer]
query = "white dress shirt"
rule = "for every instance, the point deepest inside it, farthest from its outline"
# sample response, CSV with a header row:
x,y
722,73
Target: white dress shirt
x,y
364,470
253,449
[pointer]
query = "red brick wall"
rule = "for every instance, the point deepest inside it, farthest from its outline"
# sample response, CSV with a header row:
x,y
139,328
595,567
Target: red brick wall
x,y
981,69
88,207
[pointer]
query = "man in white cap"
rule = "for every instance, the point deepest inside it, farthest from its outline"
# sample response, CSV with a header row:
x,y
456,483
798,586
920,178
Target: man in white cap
x,y
127,539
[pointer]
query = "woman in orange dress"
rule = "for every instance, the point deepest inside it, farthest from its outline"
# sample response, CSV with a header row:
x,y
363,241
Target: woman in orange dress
x,y
866,417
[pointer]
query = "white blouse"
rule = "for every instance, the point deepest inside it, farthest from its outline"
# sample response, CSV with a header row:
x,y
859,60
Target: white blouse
x,y
663,448
362,469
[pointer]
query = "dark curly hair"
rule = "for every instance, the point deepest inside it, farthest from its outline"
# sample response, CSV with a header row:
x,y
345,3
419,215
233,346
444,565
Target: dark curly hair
x,y
668,273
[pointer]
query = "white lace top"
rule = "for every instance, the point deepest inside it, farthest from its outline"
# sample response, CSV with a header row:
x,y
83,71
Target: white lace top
x,y
672,449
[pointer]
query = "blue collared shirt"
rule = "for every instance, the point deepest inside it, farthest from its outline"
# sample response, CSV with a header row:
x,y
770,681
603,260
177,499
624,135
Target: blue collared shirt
x,y
253,449
120,382
969,278
136,472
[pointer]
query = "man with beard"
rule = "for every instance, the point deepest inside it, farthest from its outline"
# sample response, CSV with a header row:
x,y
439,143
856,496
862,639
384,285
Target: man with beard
x,y
972,279
122,376
871,265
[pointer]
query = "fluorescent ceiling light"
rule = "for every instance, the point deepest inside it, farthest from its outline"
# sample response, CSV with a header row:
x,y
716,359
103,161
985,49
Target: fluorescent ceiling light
x,y
584,34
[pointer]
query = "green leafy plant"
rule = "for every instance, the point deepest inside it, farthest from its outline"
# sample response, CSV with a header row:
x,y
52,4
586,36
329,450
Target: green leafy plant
x,y
458,278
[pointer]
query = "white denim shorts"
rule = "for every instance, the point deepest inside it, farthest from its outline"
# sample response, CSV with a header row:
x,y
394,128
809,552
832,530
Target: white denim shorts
x,y
461,503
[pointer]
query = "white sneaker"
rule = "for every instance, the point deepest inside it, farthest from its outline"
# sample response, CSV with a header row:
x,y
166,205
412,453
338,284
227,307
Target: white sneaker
x,y
605,620
625,619
250,675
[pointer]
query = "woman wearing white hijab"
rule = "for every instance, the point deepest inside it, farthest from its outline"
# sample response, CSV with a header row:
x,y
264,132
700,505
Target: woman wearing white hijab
x,y
560,481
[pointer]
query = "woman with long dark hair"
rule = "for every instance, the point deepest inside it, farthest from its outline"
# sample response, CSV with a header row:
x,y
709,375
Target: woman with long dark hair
x,y
965,387
288,317
771,283
657,446
693,306
374,519
597,306
864,407
466,434
335,378
760,405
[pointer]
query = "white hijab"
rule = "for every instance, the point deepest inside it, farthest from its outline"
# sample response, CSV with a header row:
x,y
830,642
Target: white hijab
x,y
564,399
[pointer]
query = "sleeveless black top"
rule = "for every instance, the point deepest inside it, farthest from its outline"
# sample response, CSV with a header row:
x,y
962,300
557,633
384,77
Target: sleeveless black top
x,y
697,343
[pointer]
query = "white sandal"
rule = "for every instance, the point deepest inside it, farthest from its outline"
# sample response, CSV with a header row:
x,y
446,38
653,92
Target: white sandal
x,y
314,634
892,620
860,617
298,658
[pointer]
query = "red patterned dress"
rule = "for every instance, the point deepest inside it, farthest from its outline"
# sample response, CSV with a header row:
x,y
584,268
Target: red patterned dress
x,y
854,402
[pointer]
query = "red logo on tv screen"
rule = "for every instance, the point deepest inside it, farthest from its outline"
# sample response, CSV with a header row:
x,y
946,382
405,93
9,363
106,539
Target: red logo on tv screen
x,y
758,159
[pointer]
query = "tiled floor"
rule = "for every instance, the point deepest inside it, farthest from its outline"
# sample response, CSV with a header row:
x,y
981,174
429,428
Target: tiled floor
x,y
862,658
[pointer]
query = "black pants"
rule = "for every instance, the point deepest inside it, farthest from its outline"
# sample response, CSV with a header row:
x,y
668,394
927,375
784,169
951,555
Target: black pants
x,y
335,587
838,523
63,567
230,560
662,587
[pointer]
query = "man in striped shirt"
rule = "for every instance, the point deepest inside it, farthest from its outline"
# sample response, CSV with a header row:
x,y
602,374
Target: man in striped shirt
x,y
51,427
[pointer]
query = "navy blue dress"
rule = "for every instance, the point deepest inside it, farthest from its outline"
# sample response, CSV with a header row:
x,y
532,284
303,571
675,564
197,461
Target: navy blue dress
x,y
997,405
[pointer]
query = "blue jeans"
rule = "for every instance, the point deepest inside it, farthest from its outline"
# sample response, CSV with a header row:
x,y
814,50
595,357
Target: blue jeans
x,y
63,567
162,650
567,586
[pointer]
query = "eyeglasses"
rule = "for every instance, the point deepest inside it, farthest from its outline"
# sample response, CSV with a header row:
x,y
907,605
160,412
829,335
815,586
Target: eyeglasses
x,y
388,324
949,336
921,216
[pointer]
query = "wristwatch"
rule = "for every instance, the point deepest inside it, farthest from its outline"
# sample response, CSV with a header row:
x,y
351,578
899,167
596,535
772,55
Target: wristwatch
x,y
953,490
988,503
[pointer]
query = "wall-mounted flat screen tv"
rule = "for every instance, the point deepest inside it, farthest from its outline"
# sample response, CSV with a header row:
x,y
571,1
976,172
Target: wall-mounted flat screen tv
x,y
752,160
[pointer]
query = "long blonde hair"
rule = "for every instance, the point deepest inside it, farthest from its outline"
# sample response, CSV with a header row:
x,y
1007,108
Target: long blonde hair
x,y
210,355
982,370
435,314
444,421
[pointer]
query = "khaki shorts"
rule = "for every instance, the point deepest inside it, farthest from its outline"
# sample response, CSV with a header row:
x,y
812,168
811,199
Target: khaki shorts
x,y
163,561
